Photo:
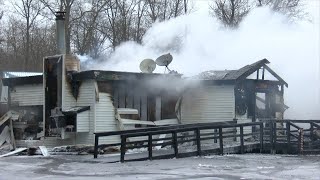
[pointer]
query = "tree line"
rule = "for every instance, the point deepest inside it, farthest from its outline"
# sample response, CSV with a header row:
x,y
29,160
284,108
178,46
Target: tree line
x,y
97,27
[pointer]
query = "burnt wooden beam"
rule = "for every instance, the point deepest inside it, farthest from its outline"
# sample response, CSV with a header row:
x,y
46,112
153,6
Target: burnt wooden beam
x,y
249,69
275,75
117,75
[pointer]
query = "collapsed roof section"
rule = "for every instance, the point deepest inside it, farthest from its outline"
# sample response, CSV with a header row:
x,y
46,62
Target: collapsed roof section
x,y
240,74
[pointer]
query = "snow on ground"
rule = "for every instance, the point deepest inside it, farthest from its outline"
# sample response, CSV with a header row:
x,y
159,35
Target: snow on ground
x,y
248,166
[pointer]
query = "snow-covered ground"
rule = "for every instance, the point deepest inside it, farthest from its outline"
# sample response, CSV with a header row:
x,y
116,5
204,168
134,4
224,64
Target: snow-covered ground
x,y
248,166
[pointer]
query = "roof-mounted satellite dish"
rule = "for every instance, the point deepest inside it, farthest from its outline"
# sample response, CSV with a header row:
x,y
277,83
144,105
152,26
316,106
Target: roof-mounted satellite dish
x,y
147,66
164,60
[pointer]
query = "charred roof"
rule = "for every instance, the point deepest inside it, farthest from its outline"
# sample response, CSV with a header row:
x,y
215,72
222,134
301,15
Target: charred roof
x,y
239,74
118,75
22,80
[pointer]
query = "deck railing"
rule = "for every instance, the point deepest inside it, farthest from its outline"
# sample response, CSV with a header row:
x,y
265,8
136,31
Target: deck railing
x,y
267,135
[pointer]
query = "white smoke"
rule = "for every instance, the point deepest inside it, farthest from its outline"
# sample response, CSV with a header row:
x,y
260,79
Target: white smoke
x,y
199,43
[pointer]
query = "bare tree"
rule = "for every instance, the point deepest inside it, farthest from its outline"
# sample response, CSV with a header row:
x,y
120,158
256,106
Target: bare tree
x,y
1,15
165,9
29,10
66,6
230,12
85,35
291,8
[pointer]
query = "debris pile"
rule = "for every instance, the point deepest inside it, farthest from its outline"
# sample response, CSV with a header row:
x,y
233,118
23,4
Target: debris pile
x,y
81,150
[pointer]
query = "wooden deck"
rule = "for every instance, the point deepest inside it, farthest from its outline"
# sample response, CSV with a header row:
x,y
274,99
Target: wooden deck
x,y
268,136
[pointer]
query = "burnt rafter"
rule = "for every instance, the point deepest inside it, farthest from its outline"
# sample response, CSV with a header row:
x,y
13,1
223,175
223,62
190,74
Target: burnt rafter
x,y
275,75
116,75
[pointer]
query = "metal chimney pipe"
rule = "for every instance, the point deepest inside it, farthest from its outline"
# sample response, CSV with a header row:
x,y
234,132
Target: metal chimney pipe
x,y
61,38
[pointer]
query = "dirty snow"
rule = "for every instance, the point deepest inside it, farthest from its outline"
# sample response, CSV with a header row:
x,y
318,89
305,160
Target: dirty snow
x,y
248,166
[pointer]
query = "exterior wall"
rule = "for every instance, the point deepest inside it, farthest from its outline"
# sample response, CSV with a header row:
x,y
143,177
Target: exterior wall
x,y
215,103
105,118
83,121
27,95
68,100
87,97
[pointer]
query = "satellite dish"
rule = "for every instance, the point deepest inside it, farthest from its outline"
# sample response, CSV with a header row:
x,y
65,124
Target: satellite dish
x,y
164,60
147,66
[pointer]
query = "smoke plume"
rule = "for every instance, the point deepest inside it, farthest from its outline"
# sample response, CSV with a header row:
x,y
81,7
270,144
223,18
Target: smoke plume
x,y
199,43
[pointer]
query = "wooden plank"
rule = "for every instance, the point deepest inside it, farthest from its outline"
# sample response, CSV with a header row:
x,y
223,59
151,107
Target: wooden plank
x,y
150,146
13,141
261,137
137,100
96,144
132,121
158,107
144,108
44,151
175,143
130,96
14,152
122,96
161,141
221,140
5,117
123,148
241,140
4,135
197,132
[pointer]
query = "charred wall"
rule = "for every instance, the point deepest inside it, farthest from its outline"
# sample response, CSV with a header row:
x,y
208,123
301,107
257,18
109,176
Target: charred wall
x,y
153,103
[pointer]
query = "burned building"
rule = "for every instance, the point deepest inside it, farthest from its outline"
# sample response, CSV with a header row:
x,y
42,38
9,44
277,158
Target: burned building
x,y
251,93
66,106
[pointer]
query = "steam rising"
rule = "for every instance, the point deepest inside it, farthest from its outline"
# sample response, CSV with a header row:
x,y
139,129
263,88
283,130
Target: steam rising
x,y
199,43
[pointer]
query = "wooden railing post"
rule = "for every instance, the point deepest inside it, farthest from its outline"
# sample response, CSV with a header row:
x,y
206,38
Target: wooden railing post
x,y
221,140
241,140
123,147
96,143
215,135
271,134
175,143
300,140
311,133
150,146
288,136
274,136
261,137
197,131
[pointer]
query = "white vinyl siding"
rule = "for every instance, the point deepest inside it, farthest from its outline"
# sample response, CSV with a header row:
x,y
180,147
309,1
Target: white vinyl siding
x,y
208,104
27,95
105,118
83,122
86,97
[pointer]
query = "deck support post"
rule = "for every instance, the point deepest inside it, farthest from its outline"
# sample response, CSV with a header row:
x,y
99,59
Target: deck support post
x,y
150,146
220,140
175,143
123,147
261,137
288,136
197,132
241,140
96,143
